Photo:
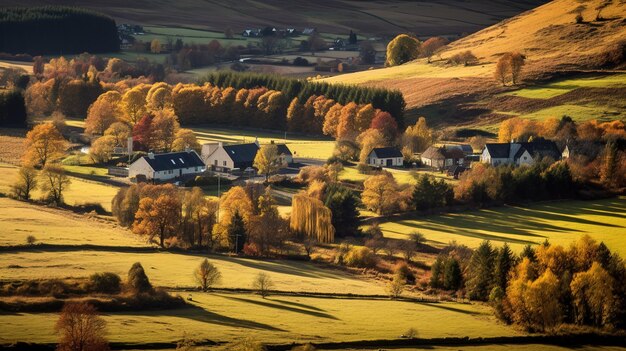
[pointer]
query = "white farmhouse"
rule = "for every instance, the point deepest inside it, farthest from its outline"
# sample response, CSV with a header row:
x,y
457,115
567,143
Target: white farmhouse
x,y
385,157
226,158
519,153
167,166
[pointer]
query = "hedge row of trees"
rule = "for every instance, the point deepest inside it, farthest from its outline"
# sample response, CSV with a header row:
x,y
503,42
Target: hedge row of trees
x,y
12,108
55,30
383,99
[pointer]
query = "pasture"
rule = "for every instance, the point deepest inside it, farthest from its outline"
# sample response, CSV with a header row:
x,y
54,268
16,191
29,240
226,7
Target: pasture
x,y
560,222
79,191
277,319
53,226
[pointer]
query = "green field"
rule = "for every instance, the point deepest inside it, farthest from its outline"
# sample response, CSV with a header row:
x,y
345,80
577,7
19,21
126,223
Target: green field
x,y
79,192
550,90
559,222
52,226
402,176
279,319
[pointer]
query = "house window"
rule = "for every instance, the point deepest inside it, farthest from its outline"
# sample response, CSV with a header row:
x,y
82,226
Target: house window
x,y
382,162
224,163
525,158
215,162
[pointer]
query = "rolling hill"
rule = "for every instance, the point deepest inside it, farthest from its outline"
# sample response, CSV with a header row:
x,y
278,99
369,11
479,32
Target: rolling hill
x,y
557,49
446,17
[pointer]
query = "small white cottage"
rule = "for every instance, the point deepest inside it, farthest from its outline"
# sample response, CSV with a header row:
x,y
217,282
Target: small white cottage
x,y
167,166
385,157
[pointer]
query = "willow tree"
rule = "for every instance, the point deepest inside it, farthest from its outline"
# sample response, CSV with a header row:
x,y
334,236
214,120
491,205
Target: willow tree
x,y
310,217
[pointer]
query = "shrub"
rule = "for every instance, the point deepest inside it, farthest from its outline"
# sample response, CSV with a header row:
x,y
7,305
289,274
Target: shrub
x,y
138,281
360,257
106,283
30,240
403,270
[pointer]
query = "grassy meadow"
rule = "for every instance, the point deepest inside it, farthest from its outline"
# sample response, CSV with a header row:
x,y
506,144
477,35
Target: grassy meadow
x,y
559,222
229,317
79,192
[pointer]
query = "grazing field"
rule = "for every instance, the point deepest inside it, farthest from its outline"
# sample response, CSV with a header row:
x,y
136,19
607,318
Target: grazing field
x,y
53,226
402,176
79,192
559,222
176,269
230,317
560,87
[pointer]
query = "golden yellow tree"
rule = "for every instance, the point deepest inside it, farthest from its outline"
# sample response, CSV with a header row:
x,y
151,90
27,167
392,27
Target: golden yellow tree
x,y
158,217
103,113
402,49
164,127
267,161
381,193
311,218
368,140
418,137
120,132
186,138
44,143
134,104
155,46
592,292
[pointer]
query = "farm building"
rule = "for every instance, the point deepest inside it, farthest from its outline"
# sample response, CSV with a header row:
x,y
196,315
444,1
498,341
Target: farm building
x,y
519,153
466,148
385,157
442,157
167,166
226,158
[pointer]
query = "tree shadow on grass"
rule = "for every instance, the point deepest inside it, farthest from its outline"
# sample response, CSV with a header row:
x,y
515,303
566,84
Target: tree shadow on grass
x,y
297,304
199,314
452,309
282,307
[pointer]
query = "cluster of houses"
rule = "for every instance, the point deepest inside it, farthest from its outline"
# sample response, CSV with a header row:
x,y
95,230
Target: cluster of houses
x,y
239,158
281,32
235,158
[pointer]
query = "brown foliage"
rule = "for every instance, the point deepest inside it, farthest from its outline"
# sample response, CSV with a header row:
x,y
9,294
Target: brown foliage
x,y
80,328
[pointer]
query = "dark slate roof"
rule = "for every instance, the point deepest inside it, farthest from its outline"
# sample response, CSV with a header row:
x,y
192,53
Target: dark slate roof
x,y
466,148
387,152
453,153
441,153
283,149
174,160
242,153
545,148
433,153
499,150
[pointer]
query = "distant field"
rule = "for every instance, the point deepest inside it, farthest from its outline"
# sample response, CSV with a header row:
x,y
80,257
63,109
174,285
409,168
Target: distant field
x,y
559,222
51,226
549,90
79,192
402,176
175,269
230,317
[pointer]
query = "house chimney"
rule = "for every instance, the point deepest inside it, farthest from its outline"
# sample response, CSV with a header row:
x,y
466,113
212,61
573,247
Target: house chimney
x,y
256,141
151,155
220,145
272,142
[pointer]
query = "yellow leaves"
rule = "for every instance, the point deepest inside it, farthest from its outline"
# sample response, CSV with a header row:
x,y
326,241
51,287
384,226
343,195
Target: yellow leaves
x,y
310,217
592,292
401,49
266,160
44,143
381,194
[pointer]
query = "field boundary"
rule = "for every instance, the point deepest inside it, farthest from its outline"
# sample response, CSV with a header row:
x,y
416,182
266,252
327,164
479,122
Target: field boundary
x,y
589,339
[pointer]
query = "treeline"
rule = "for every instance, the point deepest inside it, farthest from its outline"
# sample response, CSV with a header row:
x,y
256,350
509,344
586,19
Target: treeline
x,y
383,99
55,30
12,108
541,288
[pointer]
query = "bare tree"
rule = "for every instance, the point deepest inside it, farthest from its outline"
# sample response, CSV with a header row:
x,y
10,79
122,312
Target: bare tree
x,y
80,328
262,283
207,275
26,183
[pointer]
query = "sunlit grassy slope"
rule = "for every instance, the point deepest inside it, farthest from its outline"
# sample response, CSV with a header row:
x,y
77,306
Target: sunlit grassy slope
x,y
79,191
52,226
229,317
559,222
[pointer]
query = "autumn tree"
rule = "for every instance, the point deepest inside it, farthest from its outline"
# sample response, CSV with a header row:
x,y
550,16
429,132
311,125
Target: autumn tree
x,y
102,148
369,140
26,182
186,138
503,69
402,49
517,63
43,144
207,275
432,45
387,125
416,138
134,104
262,284
396,286
80,328
164,127
381,194
54,182
137,281
609,164
158,218
159,96
103,113
199,216
310,218
120,132
593,297
267,161
155,46
347,127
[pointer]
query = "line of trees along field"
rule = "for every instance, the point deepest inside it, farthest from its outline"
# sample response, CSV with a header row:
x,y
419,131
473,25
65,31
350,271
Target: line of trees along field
x,y
55,30
390,101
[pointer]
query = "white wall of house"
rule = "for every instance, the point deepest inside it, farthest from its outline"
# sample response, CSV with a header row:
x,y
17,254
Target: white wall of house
x,y
140,166
285,159
219,158
525,159
382,162
437,163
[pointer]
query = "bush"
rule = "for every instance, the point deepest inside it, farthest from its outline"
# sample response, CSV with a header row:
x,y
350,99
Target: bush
x,y
403,270
207,181
138,281
30,240
299,61
106,283
360,257
12,109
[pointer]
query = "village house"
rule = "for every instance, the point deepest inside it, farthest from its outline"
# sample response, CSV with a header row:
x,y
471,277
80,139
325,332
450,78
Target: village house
x,y
385,157
167,166
228,158
519,153
442,157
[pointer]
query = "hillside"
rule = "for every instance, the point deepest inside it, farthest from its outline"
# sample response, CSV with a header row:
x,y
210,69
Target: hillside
x,y
372,17
556,48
